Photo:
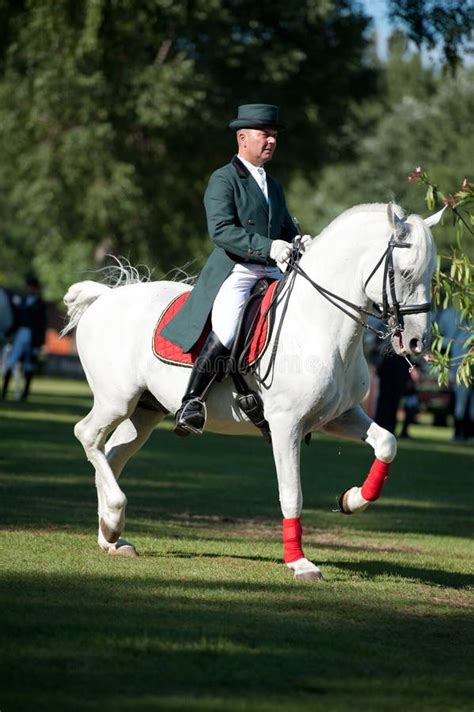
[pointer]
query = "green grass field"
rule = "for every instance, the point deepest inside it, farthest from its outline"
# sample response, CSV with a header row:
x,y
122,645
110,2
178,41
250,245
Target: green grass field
x,y
207,618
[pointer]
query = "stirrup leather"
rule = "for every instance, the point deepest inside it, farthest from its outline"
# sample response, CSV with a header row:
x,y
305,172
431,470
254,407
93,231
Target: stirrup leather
x,y
194,409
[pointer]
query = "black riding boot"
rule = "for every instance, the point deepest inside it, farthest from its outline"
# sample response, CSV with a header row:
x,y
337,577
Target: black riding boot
x,y
191,417
6,381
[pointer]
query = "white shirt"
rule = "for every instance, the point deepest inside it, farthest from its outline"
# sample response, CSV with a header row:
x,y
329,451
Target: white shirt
x,y
258,174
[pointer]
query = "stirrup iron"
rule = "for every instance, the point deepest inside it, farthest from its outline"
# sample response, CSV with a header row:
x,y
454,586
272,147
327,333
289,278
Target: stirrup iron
x,y
183,427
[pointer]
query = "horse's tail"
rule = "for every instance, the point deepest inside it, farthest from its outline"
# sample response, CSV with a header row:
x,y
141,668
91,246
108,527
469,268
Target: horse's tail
x,y
78,298
81,294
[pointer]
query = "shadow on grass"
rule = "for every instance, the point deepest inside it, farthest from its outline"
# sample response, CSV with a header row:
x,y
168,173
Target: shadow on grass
x,y
370,569
183,555
91,642
72,405
373,569
46,480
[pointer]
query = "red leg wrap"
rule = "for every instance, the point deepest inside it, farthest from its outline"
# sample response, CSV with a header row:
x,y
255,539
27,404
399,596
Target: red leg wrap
x,y
375,480
292,531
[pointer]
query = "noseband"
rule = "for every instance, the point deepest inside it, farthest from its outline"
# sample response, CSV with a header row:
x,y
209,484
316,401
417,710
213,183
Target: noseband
x,y
392,313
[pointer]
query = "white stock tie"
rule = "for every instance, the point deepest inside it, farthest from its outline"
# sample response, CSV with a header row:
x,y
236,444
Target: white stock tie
x,y
263,181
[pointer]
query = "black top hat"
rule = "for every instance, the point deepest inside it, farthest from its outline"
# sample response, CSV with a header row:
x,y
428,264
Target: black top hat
x,y
257,116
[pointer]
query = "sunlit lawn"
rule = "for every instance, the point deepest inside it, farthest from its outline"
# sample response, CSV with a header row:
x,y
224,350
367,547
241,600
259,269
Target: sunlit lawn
x,y
207,618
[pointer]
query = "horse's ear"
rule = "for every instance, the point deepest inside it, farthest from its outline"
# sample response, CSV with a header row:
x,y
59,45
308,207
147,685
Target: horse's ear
x,y
433,220
398,225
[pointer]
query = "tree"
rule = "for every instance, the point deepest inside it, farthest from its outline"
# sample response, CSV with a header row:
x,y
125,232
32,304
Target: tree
x,y
113,115
433,130
433,22
424,119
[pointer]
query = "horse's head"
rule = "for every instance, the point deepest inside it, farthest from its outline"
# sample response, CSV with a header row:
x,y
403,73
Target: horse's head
x,y
401,282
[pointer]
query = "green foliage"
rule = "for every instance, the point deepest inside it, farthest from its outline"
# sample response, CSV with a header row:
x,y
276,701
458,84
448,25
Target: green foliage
x,y
113,115
422,118
431,23
452,283
434,129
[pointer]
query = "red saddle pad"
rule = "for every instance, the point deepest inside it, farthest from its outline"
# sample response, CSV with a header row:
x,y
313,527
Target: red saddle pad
x,y
170,353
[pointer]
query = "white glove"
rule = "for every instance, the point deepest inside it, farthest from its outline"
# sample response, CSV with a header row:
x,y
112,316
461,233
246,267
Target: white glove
x,y
303,242
280,251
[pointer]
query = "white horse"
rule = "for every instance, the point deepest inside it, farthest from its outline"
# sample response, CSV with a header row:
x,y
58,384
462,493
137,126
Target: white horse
x,y
319,375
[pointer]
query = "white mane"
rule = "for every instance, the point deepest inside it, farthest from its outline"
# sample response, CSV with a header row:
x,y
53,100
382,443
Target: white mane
x,y
378,208
422,252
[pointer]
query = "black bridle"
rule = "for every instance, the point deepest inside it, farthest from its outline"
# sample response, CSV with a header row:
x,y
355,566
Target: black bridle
x,y
392,312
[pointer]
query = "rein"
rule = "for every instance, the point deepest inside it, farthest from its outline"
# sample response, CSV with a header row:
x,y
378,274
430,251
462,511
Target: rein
x,y
393,314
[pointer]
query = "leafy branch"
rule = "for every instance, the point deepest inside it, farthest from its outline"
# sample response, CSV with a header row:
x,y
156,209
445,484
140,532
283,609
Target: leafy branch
x,y
452,281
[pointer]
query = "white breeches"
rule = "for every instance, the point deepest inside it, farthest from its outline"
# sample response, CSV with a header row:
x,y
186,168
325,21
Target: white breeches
x,y
232,296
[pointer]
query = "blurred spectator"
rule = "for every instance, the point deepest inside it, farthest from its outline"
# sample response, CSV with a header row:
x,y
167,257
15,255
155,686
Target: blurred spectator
x,y
394,382
29,330
394,377
455,329
411,401
6,315
6,323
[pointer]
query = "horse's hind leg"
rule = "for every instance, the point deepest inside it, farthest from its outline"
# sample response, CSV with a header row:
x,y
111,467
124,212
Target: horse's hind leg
x,y
355,424
92,432
124,442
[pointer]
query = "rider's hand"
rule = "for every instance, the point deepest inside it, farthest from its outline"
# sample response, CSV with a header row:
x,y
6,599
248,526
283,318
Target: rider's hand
x,y
303,242
280,251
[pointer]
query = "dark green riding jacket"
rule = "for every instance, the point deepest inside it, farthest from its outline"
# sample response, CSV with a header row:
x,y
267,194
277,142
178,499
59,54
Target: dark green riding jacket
x,y
242,225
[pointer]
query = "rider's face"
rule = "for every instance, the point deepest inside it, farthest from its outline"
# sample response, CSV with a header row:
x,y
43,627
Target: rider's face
x,y
257,145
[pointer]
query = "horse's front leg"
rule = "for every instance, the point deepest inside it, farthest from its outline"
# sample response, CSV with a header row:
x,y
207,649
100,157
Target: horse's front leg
x,y
355,424
286,452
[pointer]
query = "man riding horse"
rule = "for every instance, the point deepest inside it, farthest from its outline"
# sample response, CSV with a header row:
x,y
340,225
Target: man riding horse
x,y
248,221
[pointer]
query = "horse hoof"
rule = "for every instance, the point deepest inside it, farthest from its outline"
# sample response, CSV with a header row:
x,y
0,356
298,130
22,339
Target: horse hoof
x,y
111,535
309,576
123,548
342,502
352,502
305,570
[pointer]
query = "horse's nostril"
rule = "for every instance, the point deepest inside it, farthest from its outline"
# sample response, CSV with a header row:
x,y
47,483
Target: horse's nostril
x,y
416,346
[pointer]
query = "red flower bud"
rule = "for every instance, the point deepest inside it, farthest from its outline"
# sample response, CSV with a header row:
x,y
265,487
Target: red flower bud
x,y
450,201
417,174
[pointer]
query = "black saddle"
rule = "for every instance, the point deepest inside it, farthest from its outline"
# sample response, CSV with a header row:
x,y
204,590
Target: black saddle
x,y
248,400
248,318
